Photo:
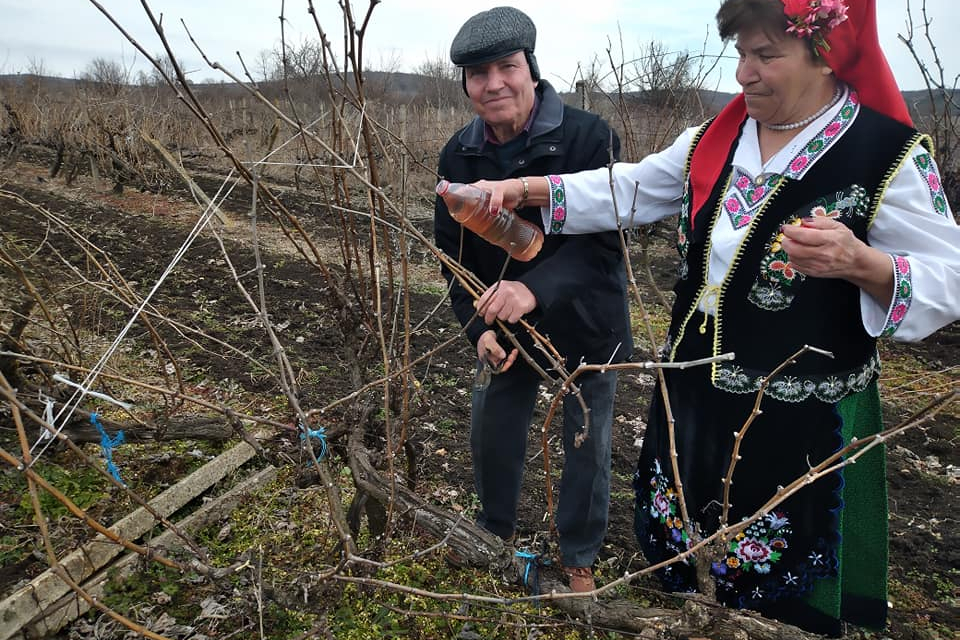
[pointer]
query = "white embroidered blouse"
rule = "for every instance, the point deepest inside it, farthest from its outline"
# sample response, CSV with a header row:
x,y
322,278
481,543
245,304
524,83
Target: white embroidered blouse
x,y
914,223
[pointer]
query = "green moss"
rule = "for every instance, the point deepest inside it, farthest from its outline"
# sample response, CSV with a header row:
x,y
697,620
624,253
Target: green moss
x,y
447,425
906,596
84,486
947,591
13,549
430,288
284,623
124,594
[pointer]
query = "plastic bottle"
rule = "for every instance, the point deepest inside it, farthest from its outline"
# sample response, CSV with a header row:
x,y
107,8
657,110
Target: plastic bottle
x,y
470,206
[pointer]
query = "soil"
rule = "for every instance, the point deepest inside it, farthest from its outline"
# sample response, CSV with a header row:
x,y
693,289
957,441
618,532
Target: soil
x,y
142,231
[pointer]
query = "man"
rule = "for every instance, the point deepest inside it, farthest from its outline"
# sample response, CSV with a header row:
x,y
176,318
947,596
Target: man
x,y
574,291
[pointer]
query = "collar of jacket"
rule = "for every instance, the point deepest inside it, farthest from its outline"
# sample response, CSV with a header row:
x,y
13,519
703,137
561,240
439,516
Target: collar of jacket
x,y
549,118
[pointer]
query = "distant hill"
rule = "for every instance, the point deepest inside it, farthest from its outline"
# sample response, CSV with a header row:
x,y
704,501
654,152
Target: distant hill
x,y
411,87
49,83
919,102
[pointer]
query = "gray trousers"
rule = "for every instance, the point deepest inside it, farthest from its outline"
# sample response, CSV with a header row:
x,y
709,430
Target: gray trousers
x,y
498,439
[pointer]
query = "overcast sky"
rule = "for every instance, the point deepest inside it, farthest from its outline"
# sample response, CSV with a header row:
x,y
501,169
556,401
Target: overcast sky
x,y
65,35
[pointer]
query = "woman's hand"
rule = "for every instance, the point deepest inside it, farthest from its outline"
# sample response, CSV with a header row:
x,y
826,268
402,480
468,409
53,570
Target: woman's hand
x,y
824,248
506,193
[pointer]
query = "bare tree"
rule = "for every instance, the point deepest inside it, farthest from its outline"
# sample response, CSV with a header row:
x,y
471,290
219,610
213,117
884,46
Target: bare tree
x,y
107,76
294,61
155,77
265,64
444,81
36,66
940,112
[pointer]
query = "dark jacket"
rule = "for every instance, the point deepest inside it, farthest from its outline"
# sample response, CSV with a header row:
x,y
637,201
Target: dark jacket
x,y
579,281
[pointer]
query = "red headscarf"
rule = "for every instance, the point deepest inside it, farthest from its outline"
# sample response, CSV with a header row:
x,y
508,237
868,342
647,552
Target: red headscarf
x,y
854,54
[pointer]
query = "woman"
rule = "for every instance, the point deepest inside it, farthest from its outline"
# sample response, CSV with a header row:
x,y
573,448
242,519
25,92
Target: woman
x,y
811,213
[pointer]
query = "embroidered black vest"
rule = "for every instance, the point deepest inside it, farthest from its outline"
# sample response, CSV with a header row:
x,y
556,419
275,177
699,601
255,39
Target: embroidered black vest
x,y
765,310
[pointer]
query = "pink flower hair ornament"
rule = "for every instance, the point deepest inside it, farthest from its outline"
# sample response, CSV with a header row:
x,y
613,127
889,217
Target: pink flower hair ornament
x,y
814,19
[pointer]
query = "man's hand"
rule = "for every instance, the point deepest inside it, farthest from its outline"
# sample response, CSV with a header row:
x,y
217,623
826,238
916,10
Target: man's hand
x,y
508,301
490,351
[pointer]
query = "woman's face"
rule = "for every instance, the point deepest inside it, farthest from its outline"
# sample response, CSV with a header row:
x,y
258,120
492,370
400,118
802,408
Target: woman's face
x,y
782,82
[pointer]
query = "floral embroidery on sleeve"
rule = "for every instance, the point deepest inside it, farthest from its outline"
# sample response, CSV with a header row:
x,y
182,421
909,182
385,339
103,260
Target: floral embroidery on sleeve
x,y
931,177
902,295
558,204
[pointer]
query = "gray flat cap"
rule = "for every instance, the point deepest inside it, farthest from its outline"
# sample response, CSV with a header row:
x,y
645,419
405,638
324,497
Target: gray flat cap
x,y
491,35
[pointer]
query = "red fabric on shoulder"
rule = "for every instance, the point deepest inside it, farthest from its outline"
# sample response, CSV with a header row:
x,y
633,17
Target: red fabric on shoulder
x,y
710,155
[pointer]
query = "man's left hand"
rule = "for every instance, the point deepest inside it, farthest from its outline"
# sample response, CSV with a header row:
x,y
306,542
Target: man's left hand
x,y
508,301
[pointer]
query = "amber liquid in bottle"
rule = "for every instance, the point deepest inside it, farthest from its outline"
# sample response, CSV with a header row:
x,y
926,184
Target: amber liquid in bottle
x,y
470,206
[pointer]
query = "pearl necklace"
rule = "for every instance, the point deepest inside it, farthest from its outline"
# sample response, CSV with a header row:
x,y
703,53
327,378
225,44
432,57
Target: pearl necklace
x,y
802,123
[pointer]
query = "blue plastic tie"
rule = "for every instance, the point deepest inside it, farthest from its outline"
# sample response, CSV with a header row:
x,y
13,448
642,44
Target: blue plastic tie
x,y
107,445
318,434
531,561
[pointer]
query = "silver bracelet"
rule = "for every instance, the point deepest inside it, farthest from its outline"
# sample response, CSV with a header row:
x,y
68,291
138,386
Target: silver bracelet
x,y
526,193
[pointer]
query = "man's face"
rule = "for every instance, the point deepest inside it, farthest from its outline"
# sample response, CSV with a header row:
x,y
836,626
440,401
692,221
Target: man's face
x,y
502,94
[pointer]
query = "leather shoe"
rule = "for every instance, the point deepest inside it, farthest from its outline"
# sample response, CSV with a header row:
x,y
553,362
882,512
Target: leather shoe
x,y
581,579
